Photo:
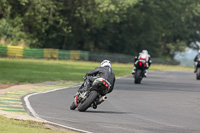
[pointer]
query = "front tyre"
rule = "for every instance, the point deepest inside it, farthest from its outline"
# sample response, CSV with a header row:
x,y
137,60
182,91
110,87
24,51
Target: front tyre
x,y
198,73
89,100
74,104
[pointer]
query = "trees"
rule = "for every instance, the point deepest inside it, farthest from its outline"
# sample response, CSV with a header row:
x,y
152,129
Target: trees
x,y
160,26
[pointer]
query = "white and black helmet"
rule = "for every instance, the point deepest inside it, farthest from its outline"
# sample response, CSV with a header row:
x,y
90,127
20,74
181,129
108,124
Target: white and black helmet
x,y
145,51
105,63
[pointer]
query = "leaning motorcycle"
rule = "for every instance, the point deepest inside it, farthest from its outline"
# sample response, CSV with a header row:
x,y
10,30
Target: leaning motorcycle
x,y
92,96
198,70
140,70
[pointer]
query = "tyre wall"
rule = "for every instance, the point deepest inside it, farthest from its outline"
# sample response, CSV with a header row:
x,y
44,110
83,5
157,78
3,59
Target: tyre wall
x,y
57,54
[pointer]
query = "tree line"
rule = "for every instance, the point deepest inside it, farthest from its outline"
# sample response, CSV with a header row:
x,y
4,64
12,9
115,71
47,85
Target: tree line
x,y
114,26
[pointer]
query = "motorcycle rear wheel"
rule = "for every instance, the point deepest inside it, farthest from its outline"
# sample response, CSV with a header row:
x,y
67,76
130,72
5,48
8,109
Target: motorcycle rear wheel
x,y
198,73
138,77
89,100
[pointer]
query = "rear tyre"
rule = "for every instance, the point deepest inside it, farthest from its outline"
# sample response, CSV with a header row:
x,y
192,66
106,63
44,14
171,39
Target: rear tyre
x,y
89,100
138,77
198,74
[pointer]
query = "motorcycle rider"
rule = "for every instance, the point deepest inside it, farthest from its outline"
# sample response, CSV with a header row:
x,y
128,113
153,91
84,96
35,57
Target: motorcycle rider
x,y
104,71
148,61
196,59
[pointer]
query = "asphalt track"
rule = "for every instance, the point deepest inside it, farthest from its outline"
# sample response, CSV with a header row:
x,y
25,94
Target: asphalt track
x,y
165,102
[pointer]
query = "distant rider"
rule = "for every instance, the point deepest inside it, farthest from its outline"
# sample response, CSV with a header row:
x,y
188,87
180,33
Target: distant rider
x,y
196,59
104,71
144,53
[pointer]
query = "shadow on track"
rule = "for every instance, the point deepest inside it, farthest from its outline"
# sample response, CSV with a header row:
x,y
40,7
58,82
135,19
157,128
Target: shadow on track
x,y
107,112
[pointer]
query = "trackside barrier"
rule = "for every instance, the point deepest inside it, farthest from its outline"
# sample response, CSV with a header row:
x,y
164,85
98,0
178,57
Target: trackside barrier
x,y
15,51
112,57
164,61
3,51
48,53
63,54
84,55
33,53
75,55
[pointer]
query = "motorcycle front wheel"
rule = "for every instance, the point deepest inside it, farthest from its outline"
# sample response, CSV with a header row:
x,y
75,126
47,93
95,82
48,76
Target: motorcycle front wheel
x,y
89,100
73,106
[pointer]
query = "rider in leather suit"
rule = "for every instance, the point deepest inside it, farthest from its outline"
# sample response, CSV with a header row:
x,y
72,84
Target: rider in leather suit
x,y
148,61
104,71
196,59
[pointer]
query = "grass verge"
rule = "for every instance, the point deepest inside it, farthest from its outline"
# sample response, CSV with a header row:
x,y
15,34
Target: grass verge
x,y
20,126
35,71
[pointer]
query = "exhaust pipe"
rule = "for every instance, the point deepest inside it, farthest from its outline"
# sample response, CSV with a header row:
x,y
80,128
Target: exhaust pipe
x,y
94,105
103,98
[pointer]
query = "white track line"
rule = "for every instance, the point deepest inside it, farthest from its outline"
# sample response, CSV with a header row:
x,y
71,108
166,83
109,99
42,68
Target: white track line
x,y
28,105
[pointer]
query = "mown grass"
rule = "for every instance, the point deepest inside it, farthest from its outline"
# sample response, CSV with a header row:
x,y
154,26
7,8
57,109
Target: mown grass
x,y
20,126
170,67
35,71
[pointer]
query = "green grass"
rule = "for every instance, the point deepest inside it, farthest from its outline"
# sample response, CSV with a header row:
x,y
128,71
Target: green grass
x,y
35,71
170,67
20,126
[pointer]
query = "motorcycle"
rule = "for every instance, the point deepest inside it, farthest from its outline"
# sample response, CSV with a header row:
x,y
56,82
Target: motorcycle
x,y
140,70
198,70
92,96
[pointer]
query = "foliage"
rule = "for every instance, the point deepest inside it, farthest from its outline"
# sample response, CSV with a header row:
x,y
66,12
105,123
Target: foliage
x,y
123,26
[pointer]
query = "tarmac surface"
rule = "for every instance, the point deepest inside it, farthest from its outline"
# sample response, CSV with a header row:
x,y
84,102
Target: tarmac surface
x,y
165,102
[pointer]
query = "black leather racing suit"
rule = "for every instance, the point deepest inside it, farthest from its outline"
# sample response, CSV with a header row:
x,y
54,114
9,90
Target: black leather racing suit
x,y
103,72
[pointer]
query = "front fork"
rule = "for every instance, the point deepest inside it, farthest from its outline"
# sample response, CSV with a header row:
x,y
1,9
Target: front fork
x,y
80,96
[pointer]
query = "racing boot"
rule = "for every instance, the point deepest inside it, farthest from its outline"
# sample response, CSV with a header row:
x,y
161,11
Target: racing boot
x,y
133,71
145,73
195,70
